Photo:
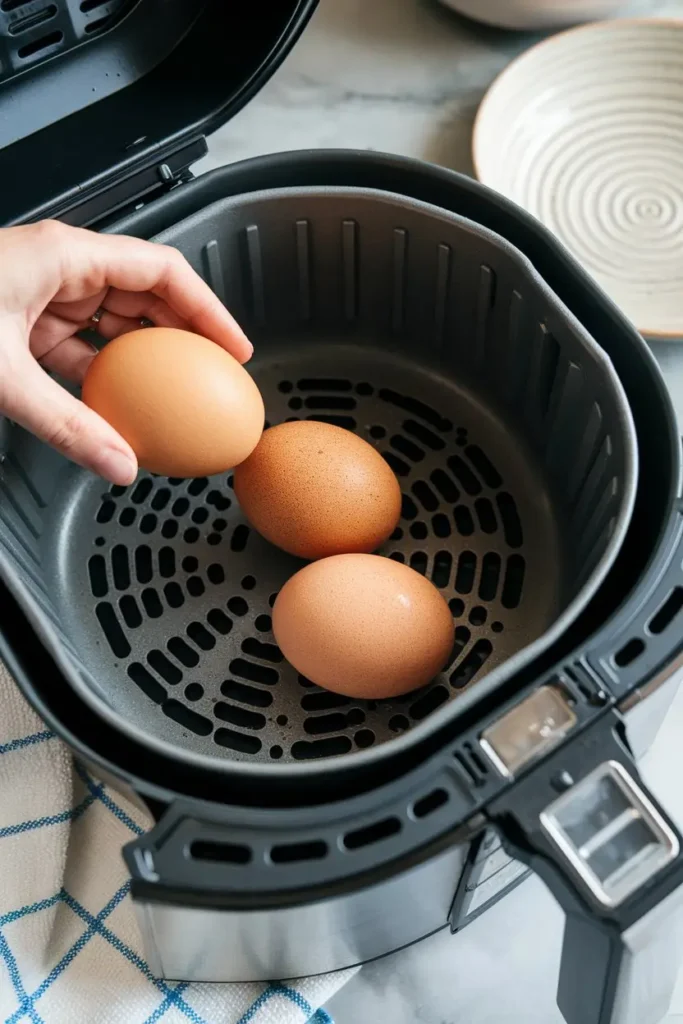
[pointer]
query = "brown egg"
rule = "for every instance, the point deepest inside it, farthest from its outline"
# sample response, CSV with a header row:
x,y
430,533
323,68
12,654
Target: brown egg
x,y
186,407
363,625
315,490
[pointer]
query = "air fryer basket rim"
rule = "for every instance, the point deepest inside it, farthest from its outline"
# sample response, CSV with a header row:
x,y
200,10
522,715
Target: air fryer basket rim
x,y
488,683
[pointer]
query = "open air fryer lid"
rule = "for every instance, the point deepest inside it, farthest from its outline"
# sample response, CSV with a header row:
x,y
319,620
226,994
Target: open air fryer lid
x,y
105,101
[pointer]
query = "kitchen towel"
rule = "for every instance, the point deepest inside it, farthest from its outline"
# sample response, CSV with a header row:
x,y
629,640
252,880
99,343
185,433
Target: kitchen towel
x,y
70,952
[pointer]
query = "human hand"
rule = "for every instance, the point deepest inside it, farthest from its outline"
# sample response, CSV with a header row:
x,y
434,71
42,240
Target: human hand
x,y
53,280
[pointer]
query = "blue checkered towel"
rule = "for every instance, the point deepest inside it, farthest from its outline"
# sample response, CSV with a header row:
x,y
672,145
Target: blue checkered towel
x,y
70,952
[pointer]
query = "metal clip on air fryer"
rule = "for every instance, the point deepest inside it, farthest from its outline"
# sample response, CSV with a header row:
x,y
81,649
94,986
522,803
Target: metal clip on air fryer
x,y
587,825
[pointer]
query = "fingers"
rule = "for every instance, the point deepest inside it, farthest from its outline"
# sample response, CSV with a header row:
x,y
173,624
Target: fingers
x,y
70,359
91,262
123,312
39,404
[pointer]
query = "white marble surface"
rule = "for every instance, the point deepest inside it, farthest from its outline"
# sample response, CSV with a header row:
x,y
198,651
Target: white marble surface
x,y
406,76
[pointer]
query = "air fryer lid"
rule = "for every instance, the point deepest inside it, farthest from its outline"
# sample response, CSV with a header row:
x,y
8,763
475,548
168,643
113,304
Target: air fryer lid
x,y
113,98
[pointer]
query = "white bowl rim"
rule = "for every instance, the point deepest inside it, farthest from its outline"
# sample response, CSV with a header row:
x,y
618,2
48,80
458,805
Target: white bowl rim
x,y
558,38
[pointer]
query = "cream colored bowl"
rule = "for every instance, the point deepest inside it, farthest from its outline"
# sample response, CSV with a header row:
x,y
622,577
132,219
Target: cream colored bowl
x,y
537,14
585,131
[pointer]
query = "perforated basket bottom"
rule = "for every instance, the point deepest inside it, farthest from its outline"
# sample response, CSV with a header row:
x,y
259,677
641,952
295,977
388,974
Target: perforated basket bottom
x,y
166,592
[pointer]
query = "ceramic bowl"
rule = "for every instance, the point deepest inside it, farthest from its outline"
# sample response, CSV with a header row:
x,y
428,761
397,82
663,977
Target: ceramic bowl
x,y
537,14
585,131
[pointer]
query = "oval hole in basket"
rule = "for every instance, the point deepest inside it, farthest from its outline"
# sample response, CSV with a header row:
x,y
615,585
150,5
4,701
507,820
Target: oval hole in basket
x,y
112,630
200,636
441,570
425,495
147,683
266,652
106,511
324,700
466,572
332,402
323,384
292,853
462,517
417,408
142,491
97,572
174,595
151,602
148,523
667,612
486,515
195,586
513,584
239,716
331,746
471,664
183,652
161,499
167,566
198,485
143,564
220,853
374,833
423,435
239,538
238,741
464,475
512,527
445,486
130,613
629,652
219,621
407,447
320,724
165,668
441,526
431,802
120,567
254,673
399,467
429,702
490,575
484,467
186,717
246,694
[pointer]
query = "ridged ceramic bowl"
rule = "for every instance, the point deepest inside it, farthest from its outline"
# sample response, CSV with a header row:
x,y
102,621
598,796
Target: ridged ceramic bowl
x,y
585,131
537,14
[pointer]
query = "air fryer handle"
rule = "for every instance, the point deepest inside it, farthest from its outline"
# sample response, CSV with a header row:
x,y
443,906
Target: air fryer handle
x,y
586,824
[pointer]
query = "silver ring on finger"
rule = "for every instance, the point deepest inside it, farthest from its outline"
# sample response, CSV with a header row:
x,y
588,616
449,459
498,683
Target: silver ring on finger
x,y
97,316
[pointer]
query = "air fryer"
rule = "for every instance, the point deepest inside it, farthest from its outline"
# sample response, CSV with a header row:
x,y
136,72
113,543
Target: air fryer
x,y
297,832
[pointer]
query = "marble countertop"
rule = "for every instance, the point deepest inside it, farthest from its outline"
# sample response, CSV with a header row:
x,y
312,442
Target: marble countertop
x,y
406,76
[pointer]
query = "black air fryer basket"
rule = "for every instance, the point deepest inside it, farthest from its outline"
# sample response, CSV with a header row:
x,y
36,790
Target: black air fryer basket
x,y
539,461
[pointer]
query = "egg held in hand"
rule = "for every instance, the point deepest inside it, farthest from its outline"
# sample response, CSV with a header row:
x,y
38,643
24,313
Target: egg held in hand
x,y
316,490
185,406
363,626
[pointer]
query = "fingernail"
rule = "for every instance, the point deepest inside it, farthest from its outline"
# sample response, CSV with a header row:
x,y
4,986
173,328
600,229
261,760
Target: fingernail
x,y
117,467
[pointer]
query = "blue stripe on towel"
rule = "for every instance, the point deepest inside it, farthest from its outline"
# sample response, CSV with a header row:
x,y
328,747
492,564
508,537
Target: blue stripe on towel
x,y
69,956
173,995
26,741
275,989
25,1001
101,794
32,908
50,819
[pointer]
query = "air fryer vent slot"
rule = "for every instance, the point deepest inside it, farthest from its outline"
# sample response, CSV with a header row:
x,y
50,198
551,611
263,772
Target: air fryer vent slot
x,y
179,589
32,32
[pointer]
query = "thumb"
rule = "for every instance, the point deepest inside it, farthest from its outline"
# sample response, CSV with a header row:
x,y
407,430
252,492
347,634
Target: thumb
x,y
38,403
